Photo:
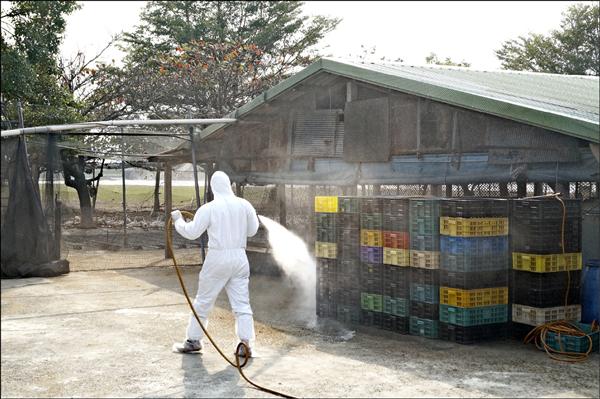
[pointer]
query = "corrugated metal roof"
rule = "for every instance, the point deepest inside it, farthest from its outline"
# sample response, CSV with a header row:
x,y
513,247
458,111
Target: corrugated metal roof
x,y
563,103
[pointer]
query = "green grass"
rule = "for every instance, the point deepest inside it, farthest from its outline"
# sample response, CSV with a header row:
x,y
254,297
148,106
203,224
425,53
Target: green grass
x,y
140,197
137,197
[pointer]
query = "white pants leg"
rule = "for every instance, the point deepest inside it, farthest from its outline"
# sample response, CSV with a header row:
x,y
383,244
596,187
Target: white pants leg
x,y
239,299
211,280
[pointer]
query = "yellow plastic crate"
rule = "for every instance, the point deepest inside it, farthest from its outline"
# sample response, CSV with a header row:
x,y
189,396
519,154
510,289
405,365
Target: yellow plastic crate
x,y
473,227
396,256
474,298
326,250
371,238
546,263
425,259
326,204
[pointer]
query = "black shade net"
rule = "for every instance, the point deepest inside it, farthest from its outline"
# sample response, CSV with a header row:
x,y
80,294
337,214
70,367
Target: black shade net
x,y
28,245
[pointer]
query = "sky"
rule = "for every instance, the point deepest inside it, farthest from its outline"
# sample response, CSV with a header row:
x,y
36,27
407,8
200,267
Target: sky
x,y
469,31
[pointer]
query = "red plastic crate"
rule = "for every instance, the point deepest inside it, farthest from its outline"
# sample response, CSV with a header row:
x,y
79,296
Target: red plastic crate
x,y
396,239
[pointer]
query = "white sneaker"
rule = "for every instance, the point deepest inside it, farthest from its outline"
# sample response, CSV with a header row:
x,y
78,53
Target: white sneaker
x,y
189,346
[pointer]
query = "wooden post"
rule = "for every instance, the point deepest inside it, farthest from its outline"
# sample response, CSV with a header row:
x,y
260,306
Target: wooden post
x,y
563,188
168,202
376,189
503,190
436,190
448,190
521,189
124,189
282,208
538,188
311,226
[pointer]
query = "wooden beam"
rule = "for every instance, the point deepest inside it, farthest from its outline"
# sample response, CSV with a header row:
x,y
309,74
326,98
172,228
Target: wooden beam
x,y
350,91
281,202
538,188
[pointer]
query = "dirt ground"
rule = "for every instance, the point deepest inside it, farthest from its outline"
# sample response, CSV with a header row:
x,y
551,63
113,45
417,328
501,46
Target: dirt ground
x,y
108,333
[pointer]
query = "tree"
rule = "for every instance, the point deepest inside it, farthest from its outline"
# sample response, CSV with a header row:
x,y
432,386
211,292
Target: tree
x,y
208,57
574,49
432,58
31,35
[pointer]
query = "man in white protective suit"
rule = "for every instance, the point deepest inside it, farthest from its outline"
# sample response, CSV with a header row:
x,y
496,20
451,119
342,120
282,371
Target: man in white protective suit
x,y
229,220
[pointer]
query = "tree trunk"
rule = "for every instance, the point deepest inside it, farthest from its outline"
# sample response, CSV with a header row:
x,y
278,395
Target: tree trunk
x,y
156,207
74,172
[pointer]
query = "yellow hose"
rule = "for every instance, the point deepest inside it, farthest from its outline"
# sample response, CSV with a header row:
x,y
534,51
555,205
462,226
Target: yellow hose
x,y
235,364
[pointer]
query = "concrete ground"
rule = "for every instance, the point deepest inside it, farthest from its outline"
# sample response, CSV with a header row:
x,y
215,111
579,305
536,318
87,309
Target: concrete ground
x,y
108,333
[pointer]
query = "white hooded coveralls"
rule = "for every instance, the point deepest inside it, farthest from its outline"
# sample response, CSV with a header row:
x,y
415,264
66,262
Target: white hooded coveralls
x,y
229,220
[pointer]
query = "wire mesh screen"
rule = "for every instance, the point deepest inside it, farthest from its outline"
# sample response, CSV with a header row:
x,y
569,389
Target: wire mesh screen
x,y
586,190
126,196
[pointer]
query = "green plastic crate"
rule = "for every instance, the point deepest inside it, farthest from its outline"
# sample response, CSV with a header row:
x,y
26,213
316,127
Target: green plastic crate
x,y
395,306
372,302
467,317
571,343
424,226
429,208
424,327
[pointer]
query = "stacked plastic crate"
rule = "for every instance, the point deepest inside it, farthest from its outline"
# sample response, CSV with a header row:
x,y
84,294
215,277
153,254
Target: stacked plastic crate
x,y
545,281
371,257
396,262
424,270
473,269
326,209
348,260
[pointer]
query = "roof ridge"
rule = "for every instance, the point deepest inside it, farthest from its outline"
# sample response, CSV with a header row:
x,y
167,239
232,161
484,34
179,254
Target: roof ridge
x,y
455,67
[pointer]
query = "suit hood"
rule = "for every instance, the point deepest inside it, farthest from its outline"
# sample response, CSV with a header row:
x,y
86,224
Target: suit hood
x,y
220,184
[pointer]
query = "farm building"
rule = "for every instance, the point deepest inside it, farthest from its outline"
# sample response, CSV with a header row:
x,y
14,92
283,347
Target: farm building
x,y
389,129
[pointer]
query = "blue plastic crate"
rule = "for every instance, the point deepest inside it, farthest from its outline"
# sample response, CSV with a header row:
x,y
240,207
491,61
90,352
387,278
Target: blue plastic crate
x,y
571,343
476,316
476,246
424,293
395,306
424,327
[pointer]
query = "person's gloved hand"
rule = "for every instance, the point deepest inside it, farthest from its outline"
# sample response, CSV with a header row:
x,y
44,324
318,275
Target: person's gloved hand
x,y
176,215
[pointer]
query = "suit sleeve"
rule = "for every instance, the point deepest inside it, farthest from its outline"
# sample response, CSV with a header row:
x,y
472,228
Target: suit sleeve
x,y
252,219
195,228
